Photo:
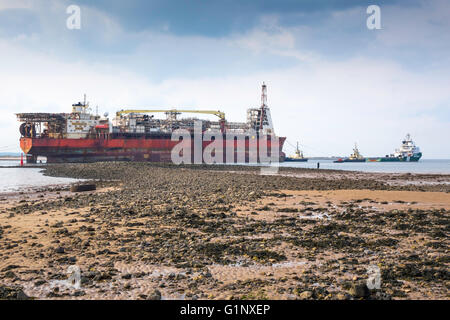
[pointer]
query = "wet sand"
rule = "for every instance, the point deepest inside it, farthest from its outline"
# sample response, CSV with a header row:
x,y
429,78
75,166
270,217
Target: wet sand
x,y
165,232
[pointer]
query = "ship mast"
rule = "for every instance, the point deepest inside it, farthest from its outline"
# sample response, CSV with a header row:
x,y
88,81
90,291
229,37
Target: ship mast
x,y
264,96
259,118
263,105
298,153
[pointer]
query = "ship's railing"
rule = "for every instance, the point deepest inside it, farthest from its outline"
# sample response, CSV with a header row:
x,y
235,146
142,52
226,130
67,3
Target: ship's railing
x,y
40,117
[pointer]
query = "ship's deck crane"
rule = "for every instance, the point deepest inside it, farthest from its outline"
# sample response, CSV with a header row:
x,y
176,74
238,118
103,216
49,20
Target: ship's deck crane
x,y
219,114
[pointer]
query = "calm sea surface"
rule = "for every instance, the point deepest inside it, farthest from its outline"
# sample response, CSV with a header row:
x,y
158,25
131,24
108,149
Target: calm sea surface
x,y
422,166
16,179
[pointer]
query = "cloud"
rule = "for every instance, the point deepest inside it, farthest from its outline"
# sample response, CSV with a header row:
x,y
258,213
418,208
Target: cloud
x,y
327,105
330,84
15,4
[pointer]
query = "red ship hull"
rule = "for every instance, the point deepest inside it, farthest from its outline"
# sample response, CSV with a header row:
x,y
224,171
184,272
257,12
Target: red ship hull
x,y
152,149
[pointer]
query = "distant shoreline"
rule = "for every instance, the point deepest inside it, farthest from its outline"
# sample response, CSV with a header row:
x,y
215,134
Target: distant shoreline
x,y
17,157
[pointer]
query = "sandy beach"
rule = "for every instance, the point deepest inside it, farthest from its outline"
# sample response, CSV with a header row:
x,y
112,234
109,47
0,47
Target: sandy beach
x,y
154,231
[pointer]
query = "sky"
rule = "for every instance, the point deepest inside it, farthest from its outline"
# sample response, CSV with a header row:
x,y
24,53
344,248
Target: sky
x,y
331,80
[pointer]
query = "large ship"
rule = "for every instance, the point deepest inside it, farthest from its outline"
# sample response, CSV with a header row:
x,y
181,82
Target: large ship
x,y
354,157
408,151
137,135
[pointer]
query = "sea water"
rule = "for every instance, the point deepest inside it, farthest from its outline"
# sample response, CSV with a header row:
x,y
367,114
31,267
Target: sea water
x,y
431,166
22,179
16,179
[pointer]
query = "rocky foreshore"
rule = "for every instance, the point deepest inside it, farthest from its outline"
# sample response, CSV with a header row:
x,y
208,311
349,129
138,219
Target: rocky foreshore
x,y
155,231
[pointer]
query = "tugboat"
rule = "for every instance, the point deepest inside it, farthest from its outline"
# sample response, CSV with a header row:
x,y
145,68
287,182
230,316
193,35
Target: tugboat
x,y
354,157
406,153
298,157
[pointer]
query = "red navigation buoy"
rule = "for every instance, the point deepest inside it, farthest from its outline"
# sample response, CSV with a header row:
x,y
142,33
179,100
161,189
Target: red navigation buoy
x,y
21,159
